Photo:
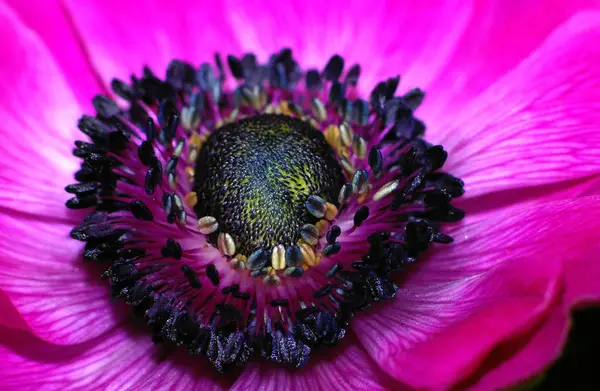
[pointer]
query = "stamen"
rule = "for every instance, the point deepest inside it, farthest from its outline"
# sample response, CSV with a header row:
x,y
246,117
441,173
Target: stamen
x,y
257,260
331,211
316,206
213,274
334,270
359,147
309,234
361,215
333,234
294,272
271,169
278,257
332,249
293,256
140,211
226,244
191,199
172,250
386,190
360,181
207,225
345,193
346,135
192,277
153,175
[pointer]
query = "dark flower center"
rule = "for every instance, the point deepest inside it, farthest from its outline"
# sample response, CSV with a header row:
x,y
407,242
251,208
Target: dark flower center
x,y
257,220
255,176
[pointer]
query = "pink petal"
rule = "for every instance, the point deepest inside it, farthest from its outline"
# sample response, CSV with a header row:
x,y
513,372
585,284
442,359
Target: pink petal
x,y
524,358
501,202
60,298
122,37
561,229
500,34
582,276
434,336
38,117
51,23
452,310
346,367
413,38
182,372
40,273
538,124
114,361
9,316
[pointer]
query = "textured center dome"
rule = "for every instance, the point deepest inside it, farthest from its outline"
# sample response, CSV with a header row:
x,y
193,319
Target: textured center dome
x,y
255,175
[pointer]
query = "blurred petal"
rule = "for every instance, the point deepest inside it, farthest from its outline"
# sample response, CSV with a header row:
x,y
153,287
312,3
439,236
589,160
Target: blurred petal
x,y
500,202
500,34
347,367
524,358
9,316
59,297
114,361
181,372
451,310
412,38
40,272
560,230
51,23
538,124
120,42
122,37
435,336
38,117
583,276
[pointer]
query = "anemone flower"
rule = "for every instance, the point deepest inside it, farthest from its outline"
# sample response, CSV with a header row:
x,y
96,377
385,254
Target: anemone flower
x,y
277,216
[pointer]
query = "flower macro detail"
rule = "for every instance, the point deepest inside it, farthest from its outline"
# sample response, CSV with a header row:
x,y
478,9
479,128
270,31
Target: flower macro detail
x,y
257,216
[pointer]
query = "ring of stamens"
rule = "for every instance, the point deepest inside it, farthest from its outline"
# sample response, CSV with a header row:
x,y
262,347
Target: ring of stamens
x,y
151,223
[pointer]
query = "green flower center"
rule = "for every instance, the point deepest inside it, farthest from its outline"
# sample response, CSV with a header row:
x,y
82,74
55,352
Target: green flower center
x,y
255,175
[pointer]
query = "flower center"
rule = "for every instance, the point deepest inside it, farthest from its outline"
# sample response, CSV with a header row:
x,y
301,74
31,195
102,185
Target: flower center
x,y
256,175
313,197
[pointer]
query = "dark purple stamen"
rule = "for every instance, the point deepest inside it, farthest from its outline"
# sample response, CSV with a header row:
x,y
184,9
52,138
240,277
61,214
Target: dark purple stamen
x,y
192,277
143,224
361,215
140,211
213,274
172,249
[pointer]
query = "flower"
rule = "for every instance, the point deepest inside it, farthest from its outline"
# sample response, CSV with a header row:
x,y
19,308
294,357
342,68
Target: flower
x,y
512,95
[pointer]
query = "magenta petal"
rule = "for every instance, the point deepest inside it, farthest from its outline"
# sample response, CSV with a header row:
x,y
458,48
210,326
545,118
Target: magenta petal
x,y
114,361
506,31
182,372
38,117
419,36
347,367
9,316
526,357
583,276
122,37
561,230
501,202
538,124
451,311
41,271
49,19
435,336
412,38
